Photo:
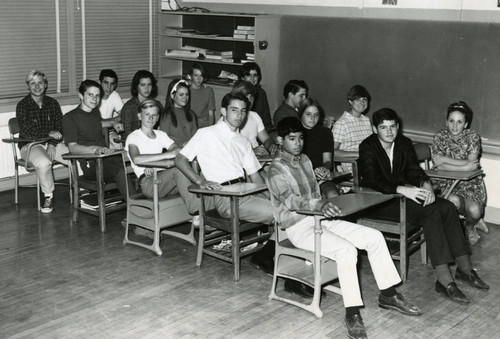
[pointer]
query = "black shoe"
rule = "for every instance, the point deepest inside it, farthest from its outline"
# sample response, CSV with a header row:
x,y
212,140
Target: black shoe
x,y
452,292
266,265
303,290
399,303
355,327
48,205
472,279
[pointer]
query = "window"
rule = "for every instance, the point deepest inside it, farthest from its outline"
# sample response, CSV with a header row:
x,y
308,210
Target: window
x,y
70,40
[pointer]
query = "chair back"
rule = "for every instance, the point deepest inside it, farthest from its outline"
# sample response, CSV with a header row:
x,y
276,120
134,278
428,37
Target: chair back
x,y
423,153
14,131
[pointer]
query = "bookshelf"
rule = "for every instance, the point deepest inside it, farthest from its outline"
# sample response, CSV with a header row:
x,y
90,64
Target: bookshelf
x,y
189,37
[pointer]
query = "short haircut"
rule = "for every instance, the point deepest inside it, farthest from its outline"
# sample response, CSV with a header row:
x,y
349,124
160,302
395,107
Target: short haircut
x,y
247,67
245,87
462,107
289,125
33,74
86,84
310,102
356,92
199,68
384,114
293,86
229,97
149,102
108,73
143,74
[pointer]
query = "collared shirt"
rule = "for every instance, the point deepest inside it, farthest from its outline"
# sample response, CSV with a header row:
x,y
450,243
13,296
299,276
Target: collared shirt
x,y
349,131
36,122
222,154
293,187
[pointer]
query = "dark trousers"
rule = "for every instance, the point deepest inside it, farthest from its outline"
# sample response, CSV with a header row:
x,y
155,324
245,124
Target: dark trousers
x,y
113,171
442,228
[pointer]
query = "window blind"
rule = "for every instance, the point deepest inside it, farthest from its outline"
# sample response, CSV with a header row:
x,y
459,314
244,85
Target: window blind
x,y
28,41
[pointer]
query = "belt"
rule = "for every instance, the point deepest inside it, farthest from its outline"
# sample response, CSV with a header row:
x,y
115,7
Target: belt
x,y
232,182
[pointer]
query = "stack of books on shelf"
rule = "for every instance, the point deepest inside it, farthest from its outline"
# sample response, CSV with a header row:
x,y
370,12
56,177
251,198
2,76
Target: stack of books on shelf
x,y
182,53
89,200
226,56
244,32
249,57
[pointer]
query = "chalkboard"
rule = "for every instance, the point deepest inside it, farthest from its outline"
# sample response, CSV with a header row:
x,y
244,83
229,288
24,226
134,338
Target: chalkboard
x,y
415,67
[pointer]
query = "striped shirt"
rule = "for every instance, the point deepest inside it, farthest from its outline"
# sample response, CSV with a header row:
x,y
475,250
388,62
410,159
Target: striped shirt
x,y
293,187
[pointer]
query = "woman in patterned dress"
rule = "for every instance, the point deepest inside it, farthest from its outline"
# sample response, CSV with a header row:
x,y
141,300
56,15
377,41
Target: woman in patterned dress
x,y
458,148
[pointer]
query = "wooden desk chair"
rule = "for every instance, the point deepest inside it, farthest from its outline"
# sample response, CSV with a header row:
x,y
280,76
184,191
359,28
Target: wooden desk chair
x,y
104,204
353,160
409,236
228,228
289,263
20,162
155,215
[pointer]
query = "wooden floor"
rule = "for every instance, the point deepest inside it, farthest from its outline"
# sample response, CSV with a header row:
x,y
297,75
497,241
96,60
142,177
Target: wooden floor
x,y
64,280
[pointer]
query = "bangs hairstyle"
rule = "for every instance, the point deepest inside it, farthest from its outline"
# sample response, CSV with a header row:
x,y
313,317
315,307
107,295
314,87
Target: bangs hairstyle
x,y
33,74
356,92
384,114
462,107
86,84
293,86
143,74
109,73
245,87
173,87
229,97
199,68
247,67
310,102
289,125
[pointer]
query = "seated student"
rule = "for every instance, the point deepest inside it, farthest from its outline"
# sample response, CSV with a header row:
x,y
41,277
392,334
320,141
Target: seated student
x,y
202,101
318,145
250,71
143,87
253,127
293,187
224,156
147,144
178,120
82,129
457,148
295,92
353,126
388,164
39,116
111,103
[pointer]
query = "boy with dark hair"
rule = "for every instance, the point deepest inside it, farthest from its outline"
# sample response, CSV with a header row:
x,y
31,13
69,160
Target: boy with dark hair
x,y
388,164
111,103
293,187
295,92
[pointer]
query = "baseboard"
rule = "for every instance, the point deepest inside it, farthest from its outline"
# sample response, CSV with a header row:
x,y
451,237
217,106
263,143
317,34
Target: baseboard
x,y
30,179
492,214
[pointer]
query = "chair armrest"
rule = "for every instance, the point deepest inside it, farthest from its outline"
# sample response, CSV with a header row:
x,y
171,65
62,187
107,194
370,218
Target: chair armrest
x,y
28,140
238,190
88,156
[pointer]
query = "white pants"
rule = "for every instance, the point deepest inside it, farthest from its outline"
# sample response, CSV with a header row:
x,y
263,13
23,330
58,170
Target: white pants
x,y
41,161
340,241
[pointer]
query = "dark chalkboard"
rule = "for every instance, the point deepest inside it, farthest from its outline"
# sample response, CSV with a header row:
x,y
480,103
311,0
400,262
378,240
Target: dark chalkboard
x,y
415,67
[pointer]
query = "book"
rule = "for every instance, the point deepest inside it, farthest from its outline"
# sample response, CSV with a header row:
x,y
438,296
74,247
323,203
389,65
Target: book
x,y
239,36
245,28
251,36
89,200
240,31
184,53
227,60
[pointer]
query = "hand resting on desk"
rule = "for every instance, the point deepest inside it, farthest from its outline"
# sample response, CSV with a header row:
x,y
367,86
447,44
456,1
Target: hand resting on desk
x,y
330,210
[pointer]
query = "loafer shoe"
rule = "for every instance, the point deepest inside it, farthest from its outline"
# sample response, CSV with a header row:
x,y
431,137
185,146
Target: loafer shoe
x,y
452,292
303,290
471,279
481,225
266,265
399,303
355,327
